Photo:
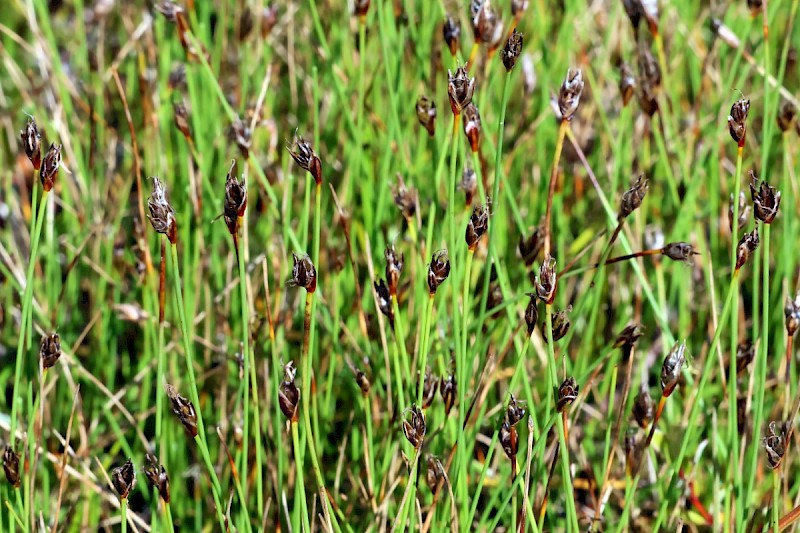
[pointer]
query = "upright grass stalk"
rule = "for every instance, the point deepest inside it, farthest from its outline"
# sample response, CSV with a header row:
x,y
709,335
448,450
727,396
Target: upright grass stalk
x,y
123,514
464,374
425,332
733,426
299,480
562,132
776,498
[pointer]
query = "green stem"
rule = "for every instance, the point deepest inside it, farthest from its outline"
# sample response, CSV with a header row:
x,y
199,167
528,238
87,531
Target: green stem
x,y
215,492
123,514
776,498
301,488
733,426
318,472
463,452
425,332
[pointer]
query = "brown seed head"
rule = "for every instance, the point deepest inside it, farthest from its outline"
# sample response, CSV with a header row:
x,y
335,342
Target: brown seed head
x,y
162,215
32,142
509,440
737,120
430,384
634,10
649,70
632,198
627,83
567,393
518,7
792,313
157,476
530,247
472,126
241,134
361,8
426,114
532,312
405,198
478,224
303,273
170,10
569,96
460,88
414,426
628,338
547,281
512,49
775,444
671,369
235,200
11,466
438,270
394,267
435,473
646,97
304,156
650,11
181,117
561,324
745,353
48,172
766,199
468,184
755,6
184,410
744,212
448,389
747,245
785,117
50,350
486,25
679,251
362,380
288,393
124,479
384,299
451,31
516,411
177,77
269,18
643,408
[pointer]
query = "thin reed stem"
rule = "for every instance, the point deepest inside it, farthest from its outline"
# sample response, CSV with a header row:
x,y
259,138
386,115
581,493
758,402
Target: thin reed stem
x,y
299,485
562,131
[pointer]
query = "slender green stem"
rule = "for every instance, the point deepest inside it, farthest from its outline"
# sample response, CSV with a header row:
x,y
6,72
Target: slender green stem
x,y
776,498
733,426
463,452
318,472
425,332
300,486
400,337
123,514
215,492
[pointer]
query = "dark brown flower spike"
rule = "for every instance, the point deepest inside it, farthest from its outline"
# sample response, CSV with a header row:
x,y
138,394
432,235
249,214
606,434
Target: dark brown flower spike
x,y
405,198
32,142
414,427
785,117
627,83
48,172
766,199
394,267
671,369
649,70
451,31
468,184
50,350
177,77
745,353
478,225
448,389
157,476
561,324
288,393
747,245
430,384
532,312
460,88
11,466
530,247
679,251
628,338
438,270
737,120
486,25
635,12
435,473
181,117
509,440
162,215
361,379
518,7
241,134
633,197
512,49
184,409
744,212
646,96
643,408
303,273
547,281
170,10
516,411
124,479
775,444
755,6
567,393
472,126
235,200
384,300
792,313
269,18
569,96
361,8
304,156
426,114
